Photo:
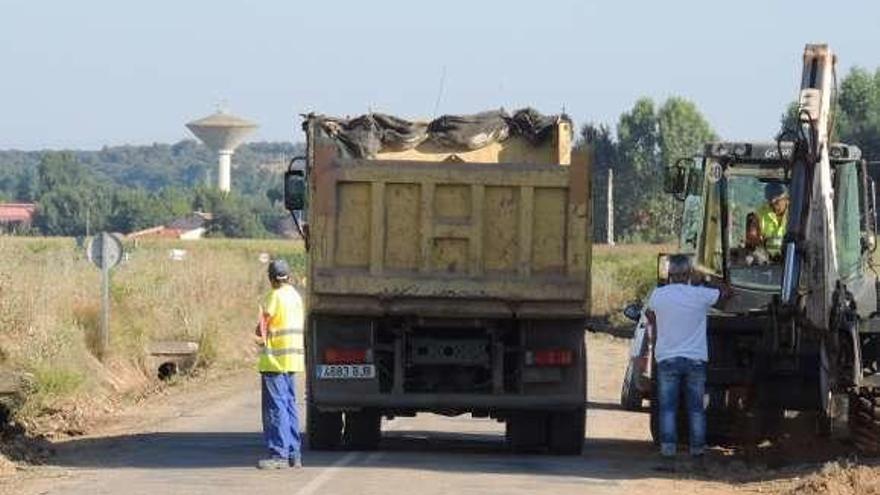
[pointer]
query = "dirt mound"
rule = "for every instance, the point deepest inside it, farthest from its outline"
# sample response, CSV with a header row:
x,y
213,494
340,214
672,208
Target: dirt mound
x,y
840,479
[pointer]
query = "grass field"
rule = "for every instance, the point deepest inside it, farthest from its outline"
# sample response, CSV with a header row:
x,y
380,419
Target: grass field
x,y
50,307
50,310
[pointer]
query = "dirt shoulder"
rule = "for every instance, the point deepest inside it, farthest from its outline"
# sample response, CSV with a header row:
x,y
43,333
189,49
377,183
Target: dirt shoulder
x,y
161,404
212,421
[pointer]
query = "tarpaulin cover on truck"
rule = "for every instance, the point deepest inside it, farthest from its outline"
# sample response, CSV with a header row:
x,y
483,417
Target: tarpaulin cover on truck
x,y
367,135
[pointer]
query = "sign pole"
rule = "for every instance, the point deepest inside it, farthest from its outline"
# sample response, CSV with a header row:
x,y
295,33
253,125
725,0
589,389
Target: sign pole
x,y
105,252
104,335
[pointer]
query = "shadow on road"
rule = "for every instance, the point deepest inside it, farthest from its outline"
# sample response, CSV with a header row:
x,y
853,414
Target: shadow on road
x,y
603,459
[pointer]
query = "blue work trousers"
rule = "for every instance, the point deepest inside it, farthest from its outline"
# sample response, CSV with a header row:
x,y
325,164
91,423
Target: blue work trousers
x,y
672,374
280,416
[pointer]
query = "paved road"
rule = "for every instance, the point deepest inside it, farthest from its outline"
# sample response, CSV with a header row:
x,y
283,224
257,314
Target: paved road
x,y
210,446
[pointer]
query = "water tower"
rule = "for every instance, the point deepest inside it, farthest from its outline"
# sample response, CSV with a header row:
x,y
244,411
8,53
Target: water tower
x,y
222,132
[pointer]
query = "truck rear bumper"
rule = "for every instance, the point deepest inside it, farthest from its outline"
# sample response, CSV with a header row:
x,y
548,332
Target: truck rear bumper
x,y
464,402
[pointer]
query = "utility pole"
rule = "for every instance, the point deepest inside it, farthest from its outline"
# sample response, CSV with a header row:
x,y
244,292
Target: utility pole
x,y
610,208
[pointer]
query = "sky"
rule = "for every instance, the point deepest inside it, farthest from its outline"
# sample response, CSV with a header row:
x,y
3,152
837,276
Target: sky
x,y
93,73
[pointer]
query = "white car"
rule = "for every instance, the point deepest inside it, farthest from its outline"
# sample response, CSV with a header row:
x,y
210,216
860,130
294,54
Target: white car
x,y
637,379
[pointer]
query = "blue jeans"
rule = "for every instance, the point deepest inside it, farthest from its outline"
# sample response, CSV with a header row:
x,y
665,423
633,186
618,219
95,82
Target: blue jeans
x,y
280,416
671,375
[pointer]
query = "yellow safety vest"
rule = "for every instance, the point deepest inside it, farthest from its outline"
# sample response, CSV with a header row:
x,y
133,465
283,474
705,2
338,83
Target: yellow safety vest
x,y
283,350
772,228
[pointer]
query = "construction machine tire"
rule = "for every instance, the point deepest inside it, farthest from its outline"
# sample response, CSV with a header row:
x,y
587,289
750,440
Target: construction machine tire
x,y
864,420
566,431
363,429
323,429
527,431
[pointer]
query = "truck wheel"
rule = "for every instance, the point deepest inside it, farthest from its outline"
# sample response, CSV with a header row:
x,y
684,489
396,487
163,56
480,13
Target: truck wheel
x,y
324,429
363,429
566,432
526,432
630,396
864,421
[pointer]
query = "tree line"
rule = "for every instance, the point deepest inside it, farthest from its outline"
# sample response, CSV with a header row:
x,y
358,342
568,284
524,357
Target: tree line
x,y
127,188
648,138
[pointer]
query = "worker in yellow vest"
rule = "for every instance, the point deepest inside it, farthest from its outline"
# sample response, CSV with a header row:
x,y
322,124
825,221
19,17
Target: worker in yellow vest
x,y
280,332
773,218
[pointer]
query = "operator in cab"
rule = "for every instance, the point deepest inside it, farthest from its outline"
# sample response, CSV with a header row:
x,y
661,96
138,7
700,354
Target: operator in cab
x,y
769,222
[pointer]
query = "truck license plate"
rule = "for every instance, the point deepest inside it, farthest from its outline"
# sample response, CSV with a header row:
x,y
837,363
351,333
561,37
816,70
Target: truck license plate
x,y
346,371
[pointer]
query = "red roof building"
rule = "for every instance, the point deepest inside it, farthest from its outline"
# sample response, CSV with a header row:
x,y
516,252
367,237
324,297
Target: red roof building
x,y
16,216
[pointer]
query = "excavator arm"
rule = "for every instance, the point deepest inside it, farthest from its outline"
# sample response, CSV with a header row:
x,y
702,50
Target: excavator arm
x,y
810,252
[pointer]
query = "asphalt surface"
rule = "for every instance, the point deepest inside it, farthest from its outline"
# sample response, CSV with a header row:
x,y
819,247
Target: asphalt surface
x,y
210,444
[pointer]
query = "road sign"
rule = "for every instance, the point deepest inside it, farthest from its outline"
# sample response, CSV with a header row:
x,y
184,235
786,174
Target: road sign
x,y
104,250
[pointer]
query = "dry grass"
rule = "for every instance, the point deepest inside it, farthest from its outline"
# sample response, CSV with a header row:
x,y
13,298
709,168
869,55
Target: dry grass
x,y
622,274
50,305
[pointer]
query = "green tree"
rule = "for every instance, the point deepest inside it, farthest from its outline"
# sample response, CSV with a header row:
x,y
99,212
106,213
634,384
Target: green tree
x,y
647,141
683,131
858,120
70,200
232,217
601,139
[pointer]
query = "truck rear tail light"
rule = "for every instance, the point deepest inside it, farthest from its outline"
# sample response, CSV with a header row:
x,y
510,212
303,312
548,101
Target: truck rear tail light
x,y
336,355
550,357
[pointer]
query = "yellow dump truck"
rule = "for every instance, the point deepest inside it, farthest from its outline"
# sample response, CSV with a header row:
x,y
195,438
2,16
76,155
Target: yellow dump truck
x,y
448,272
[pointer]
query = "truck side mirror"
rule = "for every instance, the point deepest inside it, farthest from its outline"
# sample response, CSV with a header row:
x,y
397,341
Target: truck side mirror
x,y
633,311
294,190
675,180
683,179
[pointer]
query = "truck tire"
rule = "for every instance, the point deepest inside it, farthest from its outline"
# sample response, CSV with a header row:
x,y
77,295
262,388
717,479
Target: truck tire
x,y
630,395
526,431
566,432
363,429
864,421
324,429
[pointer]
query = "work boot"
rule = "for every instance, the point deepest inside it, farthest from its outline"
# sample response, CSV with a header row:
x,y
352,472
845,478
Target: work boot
x,y
273,463
296,462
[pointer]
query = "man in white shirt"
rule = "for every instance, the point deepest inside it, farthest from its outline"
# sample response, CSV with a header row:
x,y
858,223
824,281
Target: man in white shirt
x,y
677,312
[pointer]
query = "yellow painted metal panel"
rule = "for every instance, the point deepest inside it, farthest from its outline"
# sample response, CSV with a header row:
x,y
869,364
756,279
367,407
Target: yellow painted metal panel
x,y
513,150
402,226
526,213
514,229
450,285
452,203
450,255
501,232
549,229
353,224
453,174
377,228
426,211
475,244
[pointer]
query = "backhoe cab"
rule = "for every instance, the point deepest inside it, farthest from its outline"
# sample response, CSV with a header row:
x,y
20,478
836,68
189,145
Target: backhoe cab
x,y
791,225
